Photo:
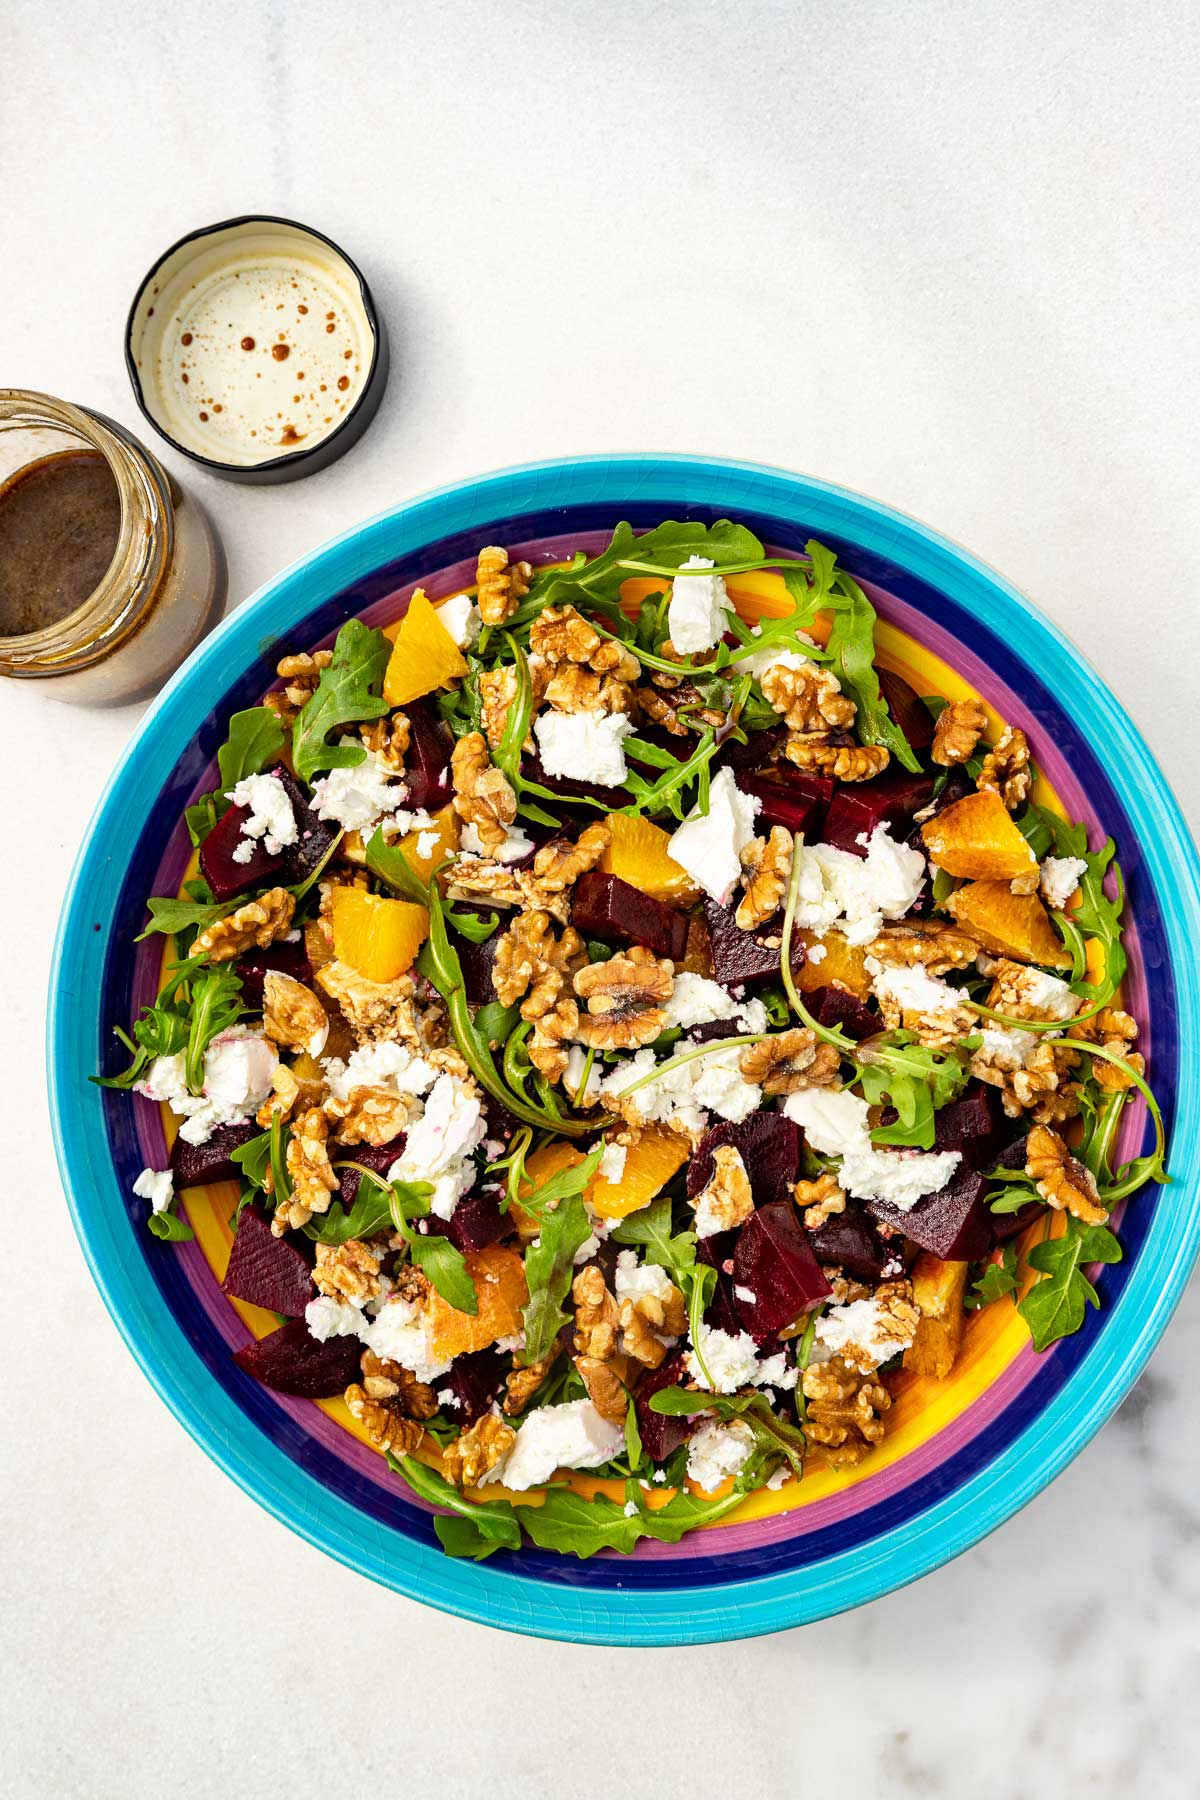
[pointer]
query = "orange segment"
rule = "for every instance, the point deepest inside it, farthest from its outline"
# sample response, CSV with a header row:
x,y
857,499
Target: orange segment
x,y
638,854
538,1169
1009,924
649,1165
976,838
424,655
446,823
843,963
499,1276
377,937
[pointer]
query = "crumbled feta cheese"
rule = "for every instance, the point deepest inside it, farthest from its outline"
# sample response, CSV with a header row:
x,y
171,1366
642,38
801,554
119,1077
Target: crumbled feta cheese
x,y
327,1317
508,1346
449,1399
586,1250
913,990
515,846
1049,994
781,1475
774,656
572,1080
746,1295
835,1123
1006,1047
857,892
876,1335
636,1281
697,616
460,618
400,1333
718,1451
427,843
695,1000
439,1144
816,953
271,817
685,1092
359,797
776,1371
157,1186
709,845
238,1068
630,1509
1060,878
571,1436
732,1361
382,1064
612,1163
587,746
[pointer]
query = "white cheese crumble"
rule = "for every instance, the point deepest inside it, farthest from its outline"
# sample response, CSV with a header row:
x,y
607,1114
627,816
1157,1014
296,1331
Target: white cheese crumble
x,y
732,1361
400,1333
1060,878
238,1068
1049,994
913,990
271,818
816,953
460,618
571,1436
572,1080
448,1398
683,1094
835,1123
612,1163
718,1451
515,846
427,843
157,1186
1007,1047
697,616
328,1317
773,656
695,1000
857,893
746,1295
709,845
359,797
864,1324
439,1144
380,1065
636,1281
586,746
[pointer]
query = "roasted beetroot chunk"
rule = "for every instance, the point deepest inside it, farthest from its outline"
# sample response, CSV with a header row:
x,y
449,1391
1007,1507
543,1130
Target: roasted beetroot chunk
x,y
755,753
974,1125
774,1262
769,1145
476,962
955,1223
224,876
378,1157
792,798
660,1433
293,1362
851,1241
427,759
195,1164
859,808
907,709
477,1220
835,1005
283,958
475,1380
744,956
605,907
267,1270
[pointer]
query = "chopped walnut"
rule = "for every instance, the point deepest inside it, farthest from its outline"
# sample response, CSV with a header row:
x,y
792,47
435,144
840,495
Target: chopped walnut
x,y
370,1115
766,863
256,924
959,728
727,1200
1006,769
625,999
790,1060
387,1428
895,1327
482,794
562,635
521,1385
845,1411
571,689
374,1009
300,675
287,1093
819,1200
808,698
1034,1086
683,712
531,961
293,1017
476,1452
560,863
596,1318
665,1313
605,1388
476,879
1014,993
845,761
349,1271
386,1380
501,586
312,1177
1061,1178
498,690
929,943
935,1028
1116,1031
554,1029
387,738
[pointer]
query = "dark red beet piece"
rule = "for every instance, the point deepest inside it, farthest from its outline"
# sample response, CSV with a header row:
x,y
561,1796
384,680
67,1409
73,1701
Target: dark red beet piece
x,y
293,1362
717,1249
712,1029
955,1223
738,955
605,907
477,1220
774,1261
769,1145
194,1164
284,958
755,753
427,759
660,1432
224,876
974,1124
783,803
475,1380
378,1157
476,961
1006,1226
851,1241
858,809
836,1005
313,835
907,709
267,1270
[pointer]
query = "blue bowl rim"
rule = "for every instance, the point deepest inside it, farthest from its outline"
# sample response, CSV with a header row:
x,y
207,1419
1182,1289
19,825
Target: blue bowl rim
x,y
484,1592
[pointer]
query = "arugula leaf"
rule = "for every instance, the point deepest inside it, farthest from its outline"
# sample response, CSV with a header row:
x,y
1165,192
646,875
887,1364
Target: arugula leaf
x,y
216,1003
254,1159
995,1281
1055,1305
915,1080
172,916
446,1267
633,1437
370,1212
469,925
349,690
169,1226
255,739
558,1207
497,1023
393,868
772,1435
479,1527
161,1029
665,548
649,1229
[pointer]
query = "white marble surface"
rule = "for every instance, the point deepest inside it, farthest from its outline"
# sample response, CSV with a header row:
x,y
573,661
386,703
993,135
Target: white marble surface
x,y
942,253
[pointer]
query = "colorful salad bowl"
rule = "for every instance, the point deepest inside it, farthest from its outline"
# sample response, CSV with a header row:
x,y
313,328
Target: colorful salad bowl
x,y
954,1466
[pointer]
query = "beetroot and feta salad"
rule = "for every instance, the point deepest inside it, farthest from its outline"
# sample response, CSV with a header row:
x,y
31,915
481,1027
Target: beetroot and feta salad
x,y
638,1033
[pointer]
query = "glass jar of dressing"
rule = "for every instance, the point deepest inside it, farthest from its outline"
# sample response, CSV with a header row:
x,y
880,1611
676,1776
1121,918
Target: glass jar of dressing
x,y
109,573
